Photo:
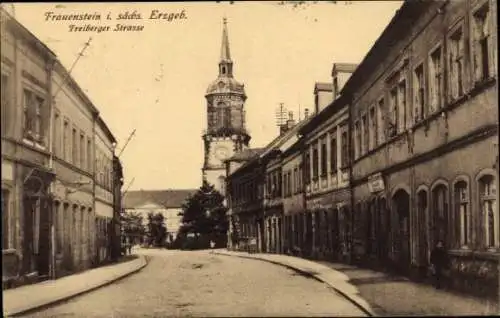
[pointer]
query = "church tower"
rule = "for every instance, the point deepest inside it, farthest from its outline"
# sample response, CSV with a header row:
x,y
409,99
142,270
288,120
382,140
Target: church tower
x,y
226,134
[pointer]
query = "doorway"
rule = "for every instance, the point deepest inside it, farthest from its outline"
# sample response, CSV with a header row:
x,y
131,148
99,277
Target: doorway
x,y
401,204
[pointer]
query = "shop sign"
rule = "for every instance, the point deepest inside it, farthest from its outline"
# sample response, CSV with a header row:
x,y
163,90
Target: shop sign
x,y
376,183
7,171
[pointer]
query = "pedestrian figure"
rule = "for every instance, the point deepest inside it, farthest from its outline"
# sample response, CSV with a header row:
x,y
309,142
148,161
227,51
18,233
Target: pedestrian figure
x,y
212,244
129,247
439,262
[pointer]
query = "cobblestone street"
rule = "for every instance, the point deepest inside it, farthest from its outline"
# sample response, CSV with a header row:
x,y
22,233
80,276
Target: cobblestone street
x,y
199,284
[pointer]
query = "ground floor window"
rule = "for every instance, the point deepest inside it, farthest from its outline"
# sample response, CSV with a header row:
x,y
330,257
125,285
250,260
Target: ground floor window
x,y
5,219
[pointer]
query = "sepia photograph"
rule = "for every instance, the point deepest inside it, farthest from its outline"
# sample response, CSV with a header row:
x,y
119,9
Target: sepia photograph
x,y
250,159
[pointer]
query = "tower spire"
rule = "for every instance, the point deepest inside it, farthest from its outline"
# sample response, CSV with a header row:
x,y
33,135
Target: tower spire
x,y
225,54
225,64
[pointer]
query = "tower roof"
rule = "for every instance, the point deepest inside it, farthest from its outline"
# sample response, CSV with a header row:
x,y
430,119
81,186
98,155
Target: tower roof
x,y
225,53
225,83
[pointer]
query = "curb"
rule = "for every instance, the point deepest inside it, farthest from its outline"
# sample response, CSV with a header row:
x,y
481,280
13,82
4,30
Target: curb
x,y
355,299
58,300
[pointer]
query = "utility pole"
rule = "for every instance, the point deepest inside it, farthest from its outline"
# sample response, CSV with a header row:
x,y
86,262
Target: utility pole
x,y
126,142
85,46
280,116
129,184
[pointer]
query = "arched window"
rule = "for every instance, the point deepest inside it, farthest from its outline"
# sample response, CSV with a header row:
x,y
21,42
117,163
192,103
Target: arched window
x,y
440,213
487,199
223,116
462,214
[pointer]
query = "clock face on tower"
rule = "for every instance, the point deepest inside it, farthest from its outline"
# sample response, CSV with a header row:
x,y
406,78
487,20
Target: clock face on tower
x,y
221,152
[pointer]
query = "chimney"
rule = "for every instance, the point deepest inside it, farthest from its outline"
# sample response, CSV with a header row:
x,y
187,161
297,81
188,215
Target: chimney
x,y
290,122
306,113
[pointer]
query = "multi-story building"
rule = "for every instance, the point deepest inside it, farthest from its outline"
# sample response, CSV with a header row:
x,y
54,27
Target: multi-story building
x,y
327,188
402,158
52,135
238,231
245,200
424,113
226,132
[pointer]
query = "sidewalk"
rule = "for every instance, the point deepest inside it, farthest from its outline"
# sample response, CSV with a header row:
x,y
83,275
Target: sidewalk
x,y
335,279
380,293
31,297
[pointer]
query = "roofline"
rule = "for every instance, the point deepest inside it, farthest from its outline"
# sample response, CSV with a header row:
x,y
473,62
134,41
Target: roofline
x,y
28,34
336,65
324,115
106,129
66,76
407,8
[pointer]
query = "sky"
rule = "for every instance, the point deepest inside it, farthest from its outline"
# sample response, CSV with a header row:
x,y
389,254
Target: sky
x,y
154,80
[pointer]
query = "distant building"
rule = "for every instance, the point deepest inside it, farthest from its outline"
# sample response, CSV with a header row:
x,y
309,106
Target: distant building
x,y
167,202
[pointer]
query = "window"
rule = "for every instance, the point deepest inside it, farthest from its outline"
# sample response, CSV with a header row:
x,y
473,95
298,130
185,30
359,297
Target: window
x,y
286,185
5,96
294,181
227,117
456,64
373,128
440,204
82,151
333,152
66,145
89,155
357,130
401,123
56,134
324,155
381,121
315,163
74,148
5,219
279,185
39,129
393,118
344,158
420,111
223,116
366,134
307,167
299,183
482,44
462,212
487,192
28,114
435,80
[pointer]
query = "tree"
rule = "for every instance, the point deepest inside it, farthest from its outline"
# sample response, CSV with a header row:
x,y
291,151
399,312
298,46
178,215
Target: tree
x,y
131,224
157,231
204,215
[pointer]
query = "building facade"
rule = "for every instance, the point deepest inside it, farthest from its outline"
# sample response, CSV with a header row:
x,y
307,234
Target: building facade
x,y
226,132
49,168
166,202
327,186
402,157
424,113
